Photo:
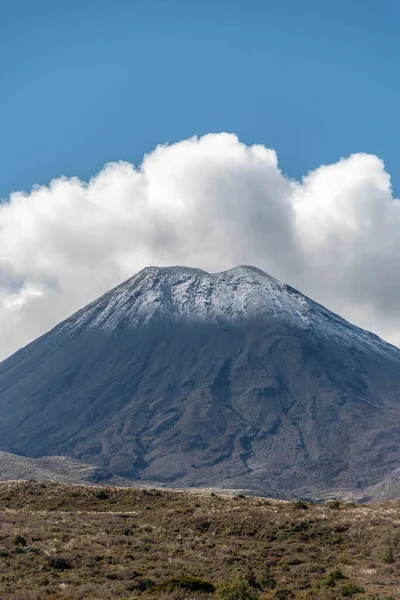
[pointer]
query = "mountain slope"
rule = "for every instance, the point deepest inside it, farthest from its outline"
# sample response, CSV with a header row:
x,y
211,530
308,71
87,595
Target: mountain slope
x,y
229,380
54,468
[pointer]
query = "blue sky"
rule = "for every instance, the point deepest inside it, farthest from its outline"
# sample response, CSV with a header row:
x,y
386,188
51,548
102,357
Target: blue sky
x,y
86,82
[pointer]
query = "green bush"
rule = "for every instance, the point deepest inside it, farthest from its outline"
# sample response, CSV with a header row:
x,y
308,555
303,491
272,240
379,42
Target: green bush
x,y
332,577
19,540
350,589
266,580
387,555
251,578
59,563
283,595
236,589
141,584
189,584
300,505
102,495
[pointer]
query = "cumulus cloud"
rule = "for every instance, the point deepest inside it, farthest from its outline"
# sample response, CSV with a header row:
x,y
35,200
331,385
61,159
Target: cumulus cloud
x,y
209,202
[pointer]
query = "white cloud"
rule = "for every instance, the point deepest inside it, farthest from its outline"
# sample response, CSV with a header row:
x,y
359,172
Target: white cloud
x,y
213,203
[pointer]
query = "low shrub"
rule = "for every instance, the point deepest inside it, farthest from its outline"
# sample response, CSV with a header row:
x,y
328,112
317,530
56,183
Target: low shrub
x,y
387,555
59,563
283,594
266,580
236,589
141,584
19,540
102,495
300,505
332,577
350,589
189,584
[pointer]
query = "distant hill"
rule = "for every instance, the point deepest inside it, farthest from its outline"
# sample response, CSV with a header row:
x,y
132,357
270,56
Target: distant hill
x,y
54,468
231,380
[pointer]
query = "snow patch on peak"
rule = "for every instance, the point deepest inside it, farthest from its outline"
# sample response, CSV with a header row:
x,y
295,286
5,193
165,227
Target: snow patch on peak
x,y
171,294
182,294
170,271
250,271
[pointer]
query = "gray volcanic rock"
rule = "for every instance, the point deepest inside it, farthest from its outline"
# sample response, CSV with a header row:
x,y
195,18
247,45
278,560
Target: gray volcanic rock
x,y
185,378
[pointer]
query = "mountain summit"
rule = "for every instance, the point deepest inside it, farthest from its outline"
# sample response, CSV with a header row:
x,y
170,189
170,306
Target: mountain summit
x,y
168,295
232,379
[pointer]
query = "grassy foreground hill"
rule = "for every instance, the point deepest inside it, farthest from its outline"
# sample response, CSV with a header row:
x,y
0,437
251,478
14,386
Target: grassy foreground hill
x,y
77,542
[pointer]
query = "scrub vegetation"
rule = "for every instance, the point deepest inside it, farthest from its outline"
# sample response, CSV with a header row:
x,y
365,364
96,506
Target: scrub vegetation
x,y
79,542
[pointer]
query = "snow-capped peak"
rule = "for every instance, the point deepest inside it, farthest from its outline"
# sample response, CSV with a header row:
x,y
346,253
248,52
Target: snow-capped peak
x,y
175,293
184,294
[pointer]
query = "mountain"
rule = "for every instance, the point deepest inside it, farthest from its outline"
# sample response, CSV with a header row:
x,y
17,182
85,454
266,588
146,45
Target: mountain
x,y
232,380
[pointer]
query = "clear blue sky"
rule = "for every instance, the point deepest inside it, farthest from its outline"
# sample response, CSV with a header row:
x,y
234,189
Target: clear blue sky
x,y
84,82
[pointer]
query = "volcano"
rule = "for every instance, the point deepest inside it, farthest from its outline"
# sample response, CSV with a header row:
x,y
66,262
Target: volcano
x,y
234,380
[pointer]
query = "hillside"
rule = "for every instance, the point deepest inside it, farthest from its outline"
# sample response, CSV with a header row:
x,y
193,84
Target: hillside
x,y
228,380
54,468
65,542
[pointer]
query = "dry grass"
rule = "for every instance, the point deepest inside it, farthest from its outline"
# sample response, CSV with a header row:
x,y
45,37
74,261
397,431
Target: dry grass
x,y
66,542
